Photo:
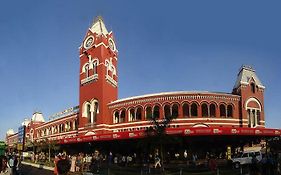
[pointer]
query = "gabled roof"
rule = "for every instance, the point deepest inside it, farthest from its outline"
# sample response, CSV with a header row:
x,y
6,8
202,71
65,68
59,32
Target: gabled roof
x,y
245,74
98,26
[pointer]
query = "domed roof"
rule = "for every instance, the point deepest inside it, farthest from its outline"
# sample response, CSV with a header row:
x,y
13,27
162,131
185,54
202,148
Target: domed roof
x,y
37,117
10,132
25,122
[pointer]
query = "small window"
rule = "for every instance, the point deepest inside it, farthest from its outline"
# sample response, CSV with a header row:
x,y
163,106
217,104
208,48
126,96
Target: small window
x,y
204,110
212,110
253,87
175,111
194,110
167,111
156,112
122,116
185,110
148,113
222,110
138,114
132,115
229,111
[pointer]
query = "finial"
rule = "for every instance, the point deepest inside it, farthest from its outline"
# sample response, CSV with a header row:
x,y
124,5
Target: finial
x,y
247,67
98,18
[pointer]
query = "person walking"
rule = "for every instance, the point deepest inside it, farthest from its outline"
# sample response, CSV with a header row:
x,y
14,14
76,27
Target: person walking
x,y
4,168
157,161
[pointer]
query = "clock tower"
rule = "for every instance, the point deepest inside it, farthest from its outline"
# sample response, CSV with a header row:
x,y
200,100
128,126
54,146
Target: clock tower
x,y
98,80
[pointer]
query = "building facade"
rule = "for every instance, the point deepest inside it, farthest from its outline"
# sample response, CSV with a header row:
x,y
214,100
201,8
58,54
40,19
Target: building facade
x,y
100,115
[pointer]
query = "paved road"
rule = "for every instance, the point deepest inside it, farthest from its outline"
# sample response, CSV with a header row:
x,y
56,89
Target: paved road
x,y
30,170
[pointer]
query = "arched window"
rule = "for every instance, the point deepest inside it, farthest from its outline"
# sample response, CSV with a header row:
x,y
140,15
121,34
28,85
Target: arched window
x,y
249,117
122,116
212,110
258,117
222,111
95,107
116,117
132,115
70,126
95,67
175,111
156,112
88,109
138,113
185,110
148,113
87,70
204,108
253,87
167,111
229,111
194,110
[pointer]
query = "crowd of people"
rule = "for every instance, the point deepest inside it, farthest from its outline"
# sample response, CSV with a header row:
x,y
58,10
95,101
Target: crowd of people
x,y
9,164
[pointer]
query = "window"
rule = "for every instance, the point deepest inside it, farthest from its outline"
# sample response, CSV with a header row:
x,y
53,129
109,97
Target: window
x,y
87,70
138,113
253,87
116,117
194,110
258,117
89,113
156,112
95,66
175,110
212,110
148,113
95,106
167,112
222,111
185,110
132,115
229,111
249,117
122,116
204,110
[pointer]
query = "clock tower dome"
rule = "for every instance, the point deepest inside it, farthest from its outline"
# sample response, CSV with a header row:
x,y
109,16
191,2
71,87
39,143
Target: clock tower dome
x,y
98,80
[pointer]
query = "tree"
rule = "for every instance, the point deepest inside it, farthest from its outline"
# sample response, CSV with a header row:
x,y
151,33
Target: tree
x,y
156,135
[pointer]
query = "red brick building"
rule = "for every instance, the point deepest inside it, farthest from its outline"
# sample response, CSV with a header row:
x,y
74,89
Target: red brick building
x,y
102,116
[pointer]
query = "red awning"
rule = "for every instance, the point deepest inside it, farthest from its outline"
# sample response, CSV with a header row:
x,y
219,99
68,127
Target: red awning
x,y
200,131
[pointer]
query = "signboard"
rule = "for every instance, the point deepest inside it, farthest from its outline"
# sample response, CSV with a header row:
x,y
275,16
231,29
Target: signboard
x,y
21,137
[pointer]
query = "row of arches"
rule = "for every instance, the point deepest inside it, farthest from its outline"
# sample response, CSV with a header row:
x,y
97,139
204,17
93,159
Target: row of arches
x,y
175,110
90,68
70,125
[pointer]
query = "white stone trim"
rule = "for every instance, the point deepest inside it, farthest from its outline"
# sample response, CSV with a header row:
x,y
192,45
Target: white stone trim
x,y
252,99
181,95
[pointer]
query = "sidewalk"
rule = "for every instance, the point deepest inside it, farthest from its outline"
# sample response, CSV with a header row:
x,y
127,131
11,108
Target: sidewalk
x,y
38,166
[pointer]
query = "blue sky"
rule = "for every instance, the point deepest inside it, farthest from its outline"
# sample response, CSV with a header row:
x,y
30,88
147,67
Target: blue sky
x,y
163,46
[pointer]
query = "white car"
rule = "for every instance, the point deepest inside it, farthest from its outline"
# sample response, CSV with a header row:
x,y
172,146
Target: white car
x,y
246,158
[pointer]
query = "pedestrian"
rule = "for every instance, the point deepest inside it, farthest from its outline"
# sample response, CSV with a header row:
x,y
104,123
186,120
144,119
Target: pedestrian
x,y
63,167
4,168
73,163
157,161
57,158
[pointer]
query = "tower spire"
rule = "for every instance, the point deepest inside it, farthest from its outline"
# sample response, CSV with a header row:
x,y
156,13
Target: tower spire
x,y
98,26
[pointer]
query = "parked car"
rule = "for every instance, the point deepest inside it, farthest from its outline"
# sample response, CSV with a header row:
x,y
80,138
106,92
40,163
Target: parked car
x,y
246,158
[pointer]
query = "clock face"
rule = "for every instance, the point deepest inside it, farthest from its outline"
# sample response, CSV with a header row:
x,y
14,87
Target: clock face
x,y
111,44
88,42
